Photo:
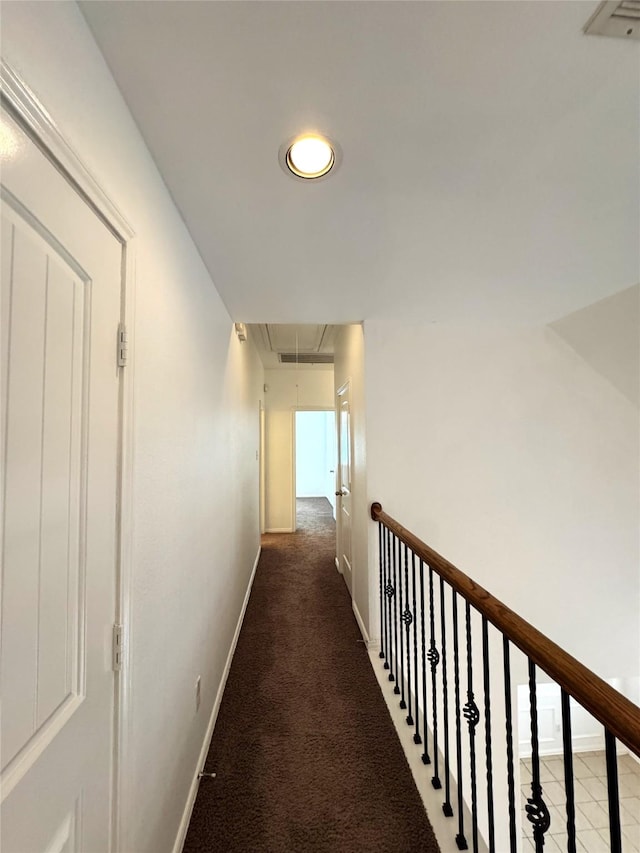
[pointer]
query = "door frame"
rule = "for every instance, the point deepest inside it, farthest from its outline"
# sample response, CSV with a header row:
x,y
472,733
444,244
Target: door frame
x,y
347,384
31,115
294,411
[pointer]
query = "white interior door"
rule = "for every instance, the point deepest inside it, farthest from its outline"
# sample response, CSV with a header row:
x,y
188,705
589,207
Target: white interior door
x,y
61,295
343,492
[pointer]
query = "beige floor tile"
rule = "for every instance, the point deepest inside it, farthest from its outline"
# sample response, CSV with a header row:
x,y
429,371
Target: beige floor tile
x,y
630,806
595,787
593,842
582,822
595,814
558,820
527,845
562,840
545,774
591,797
631,838
551,845
580,793
553,792
580,769
627,764
595,761
525,774
629,785
556,766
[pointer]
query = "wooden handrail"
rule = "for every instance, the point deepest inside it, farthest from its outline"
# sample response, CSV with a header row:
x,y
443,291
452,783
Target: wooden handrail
x,y
617,713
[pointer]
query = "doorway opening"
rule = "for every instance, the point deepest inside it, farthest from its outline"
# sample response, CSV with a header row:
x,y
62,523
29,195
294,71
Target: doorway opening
x,y
315,464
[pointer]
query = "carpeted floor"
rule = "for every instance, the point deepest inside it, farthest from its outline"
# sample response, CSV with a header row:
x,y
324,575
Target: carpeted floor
x,y
305,752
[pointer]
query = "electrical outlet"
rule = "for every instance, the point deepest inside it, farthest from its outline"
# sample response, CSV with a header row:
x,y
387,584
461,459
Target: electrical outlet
x,y
198,683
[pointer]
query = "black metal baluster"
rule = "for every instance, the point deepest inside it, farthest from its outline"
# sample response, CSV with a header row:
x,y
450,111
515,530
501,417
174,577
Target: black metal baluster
x,y
487,733
401,606
416,735
513,841
407,618
390,591
382,586
387,611
424,662
536,808
446,806
434,660
568,772
472,716
612,788
394,608
399,688
461,841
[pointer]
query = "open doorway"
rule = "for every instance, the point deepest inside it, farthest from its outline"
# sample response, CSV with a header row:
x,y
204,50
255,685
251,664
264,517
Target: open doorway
x,y
315,463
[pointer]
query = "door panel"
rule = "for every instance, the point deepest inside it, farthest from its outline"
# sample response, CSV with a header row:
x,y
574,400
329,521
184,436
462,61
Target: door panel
x,y
344,484
61,292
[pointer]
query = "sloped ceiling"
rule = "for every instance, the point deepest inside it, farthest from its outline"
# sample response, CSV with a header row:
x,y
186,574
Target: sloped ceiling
x,y
607,335
490,152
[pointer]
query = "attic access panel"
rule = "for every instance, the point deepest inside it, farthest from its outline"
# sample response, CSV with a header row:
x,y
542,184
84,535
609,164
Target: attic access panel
x,y
617,18
287,338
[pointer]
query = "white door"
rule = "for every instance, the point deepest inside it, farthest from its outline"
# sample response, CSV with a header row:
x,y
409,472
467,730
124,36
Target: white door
x,y
61,293
343,492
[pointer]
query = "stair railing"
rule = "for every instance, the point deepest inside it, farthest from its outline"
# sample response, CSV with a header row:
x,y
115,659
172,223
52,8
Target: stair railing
x,y
436,625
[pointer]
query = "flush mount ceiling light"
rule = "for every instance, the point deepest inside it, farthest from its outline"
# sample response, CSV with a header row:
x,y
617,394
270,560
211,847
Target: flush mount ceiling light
x,y
309,156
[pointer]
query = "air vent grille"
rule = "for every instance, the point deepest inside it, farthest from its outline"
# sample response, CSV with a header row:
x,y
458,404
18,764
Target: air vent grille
x,y
617,19
306,358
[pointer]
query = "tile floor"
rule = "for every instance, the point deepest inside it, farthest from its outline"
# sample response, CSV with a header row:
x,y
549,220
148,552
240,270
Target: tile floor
x,y
592,822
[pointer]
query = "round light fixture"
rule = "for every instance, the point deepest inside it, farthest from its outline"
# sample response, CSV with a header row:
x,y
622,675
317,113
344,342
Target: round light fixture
x,y
310,156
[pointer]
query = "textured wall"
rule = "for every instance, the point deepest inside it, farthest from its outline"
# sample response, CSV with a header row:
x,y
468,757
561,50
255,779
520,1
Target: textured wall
x,y
511,456
196,429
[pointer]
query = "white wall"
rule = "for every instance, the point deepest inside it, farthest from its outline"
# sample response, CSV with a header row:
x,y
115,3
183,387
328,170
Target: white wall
x,y
349,363
511,456
507,453
286,391
196,429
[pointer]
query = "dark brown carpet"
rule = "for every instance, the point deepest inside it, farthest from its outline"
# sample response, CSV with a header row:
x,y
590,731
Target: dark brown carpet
x,y
305,752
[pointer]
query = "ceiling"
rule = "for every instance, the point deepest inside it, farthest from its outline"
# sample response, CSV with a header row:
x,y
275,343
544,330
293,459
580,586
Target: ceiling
x,y
489,152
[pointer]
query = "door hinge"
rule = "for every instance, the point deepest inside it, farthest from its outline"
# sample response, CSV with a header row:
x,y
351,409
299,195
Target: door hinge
x,y
123,345
117,648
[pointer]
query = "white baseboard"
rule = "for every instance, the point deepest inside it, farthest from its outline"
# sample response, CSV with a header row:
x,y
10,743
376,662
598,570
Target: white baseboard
x,y
370,644
193,790
279,530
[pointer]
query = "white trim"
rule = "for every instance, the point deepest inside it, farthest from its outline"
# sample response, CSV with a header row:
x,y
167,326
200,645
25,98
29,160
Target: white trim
x,y
193,790
337,562
123,738
279,530
25,107
370,644
38,123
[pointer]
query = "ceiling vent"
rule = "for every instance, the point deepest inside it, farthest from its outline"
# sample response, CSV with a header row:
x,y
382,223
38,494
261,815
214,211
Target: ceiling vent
x,y
306,358
616,18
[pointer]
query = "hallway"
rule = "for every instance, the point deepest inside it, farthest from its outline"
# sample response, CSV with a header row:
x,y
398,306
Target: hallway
x,y
304,750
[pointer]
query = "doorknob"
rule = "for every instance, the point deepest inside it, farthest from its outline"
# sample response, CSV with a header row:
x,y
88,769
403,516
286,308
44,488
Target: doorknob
x,y
341,494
